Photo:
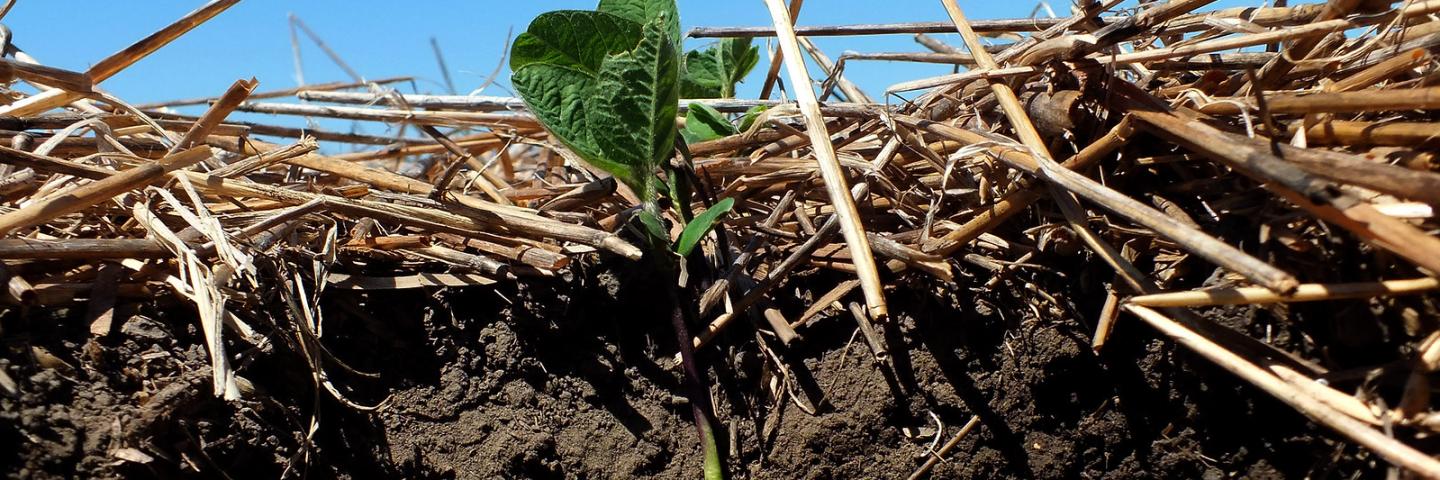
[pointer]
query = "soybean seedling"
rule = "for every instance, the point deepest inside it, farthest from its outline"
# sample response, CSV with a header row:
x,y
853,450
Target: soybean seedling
x,y
607,84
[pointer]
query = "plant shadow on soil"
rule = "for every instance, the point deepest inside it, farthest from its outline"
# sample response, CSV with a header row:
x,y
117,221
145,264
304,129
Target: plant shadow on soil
x,y
570,378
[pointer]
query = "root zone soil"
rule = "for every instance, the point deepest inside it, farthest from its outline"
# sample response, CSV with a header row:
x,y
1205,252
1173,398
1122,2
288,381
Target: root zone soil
x,y
571,379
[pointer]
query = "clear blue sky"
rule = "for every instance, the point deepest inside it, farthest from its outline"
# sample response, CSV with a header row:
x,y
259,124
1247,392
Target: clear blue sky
x,y
389,38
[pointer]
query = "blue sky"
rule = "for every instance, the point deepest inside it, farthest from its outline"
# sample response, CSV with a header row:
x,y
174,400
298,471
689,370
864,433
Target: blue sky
x,y
392,38
381,39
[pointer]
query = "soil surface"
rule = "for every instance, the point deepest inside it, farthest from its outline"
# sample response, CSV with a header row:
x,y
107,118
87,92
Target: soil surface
x,y
572,377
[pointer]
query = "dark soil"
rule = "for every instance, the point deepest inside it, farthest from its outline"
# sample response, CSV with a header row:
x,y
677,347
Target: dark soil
x,y
572,378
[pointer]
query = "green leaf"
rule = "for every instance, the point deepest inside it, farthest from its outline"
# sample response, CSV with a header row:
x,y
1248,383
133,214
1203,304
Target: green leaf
x,y
714,71
748,120
740,57
646,11
705,123
702,78
634,104
557,64
575,39
701,225
605,86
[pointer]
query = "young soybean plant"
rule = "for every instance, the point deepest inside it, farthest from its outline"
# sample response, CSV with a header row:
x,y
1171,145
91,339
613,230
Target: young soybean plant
x,y
606,83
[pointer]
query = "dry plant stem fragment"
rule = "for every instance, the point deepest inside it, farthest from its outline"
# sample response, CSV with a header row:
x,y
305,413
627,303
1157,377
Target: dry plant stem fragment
x,y
835,183
1388,448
